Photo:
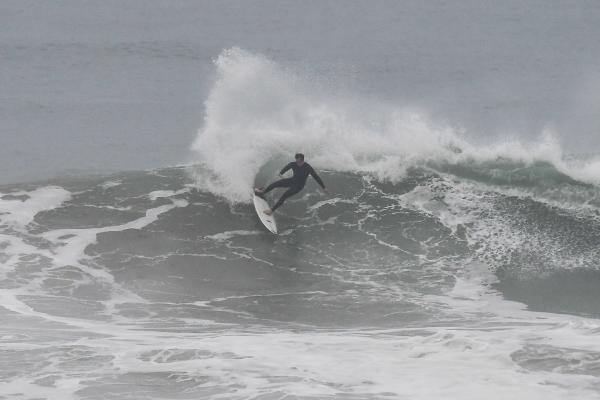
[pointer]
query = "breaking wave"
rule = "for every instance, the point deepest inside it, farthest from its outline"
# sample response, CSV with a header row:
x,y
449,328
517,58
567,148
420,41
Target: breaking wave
x,y
259,111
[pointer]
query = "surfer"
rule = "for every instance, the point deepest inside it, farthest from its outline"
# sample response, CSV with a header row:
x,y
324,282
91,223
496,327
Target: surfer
x,y
295,184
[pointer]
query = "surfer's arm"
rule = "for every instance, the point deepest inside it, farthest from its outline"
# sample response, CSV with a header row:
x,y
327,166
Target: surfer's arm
x,y
286,168
317,178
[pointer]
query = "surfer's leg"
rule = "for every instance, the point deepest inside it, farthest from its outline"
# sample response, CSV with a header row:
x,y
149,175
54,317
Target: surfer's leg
x,y
280,183
290,192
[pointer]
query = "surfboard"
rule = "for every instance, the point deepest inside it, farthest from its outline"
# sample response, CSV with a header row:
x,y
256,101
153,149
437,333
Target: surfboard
x,y
268,221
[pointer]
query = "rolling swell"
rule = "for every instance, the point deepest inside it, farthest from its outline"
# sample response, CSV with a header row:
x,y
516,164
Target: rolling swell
x,y
539,236
509,172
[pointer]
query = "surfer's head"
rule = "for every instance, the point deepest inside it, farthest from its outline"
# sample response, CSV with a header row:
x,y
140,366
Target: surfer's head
x,y
299,159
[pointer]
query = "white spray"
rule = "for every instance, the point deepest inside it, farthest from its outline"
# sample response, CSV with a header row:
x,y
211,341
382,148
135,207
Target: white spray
x,y
258,110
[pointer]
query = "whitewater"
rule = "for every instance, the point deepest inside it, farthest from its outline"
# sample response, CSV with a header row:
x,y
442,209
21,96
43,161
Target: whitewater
x,y
454,255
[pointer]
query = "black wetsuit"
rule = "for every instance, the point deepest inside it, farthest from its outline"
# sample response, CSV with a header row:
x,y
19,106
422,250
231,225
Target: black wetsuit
x,y
295,183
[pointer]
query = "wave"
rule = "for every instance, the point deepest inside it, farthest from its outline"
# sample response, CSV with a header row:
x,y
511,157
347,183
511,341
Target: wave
x,y
259,111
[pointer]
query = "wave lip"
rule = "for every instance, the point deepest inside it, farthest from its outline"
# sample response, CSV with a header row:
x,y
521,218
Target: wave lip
x,y
259,111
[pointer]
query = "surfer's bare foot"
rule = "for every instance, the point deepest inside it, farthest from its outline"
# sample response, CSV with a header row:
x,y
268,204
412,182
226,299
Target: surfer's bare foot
x,y
268,211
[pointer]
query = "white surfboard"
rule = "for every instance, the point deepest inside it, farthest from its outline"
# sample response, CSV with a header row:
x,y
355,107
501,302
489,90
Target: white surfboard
x,y
268,220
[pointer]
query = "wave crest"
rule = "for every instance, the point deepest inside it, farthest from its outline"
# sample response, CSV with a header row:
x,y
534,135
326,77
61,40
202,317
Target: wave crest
x,y
258,111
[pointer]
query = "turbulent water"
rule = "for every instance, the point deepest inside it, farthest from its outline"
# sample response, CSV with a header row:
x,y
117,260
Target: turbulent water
x,y
434,268
141,286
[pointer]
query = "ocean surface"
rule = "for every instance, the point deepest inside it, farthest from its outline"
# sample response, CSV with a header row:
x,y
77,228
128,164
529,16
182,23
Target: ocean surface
x,y
454,256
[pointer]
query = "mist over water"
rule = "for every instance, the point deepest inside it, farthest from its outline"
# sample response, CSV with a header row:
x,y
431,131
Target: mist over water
x,y
455,255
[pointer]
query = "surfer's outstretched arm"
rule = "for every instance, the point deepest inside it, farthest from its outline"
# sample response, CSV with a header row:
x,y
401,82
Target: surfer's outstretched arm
x,y
317,178
286,168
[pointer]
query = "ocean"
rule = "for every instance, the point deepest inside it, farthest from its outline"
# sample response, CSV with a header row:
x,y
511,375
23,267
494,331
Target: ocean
x,y
454,255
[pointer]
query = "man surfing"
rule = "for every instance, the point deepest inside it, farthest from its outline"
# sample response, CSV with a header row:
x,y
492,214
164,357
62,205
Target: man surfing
x,y
294,184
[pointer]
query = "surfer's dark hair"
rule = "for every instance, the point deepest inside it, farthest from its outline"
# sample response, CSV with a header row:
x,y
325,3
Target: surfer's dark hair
x,y
299,156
